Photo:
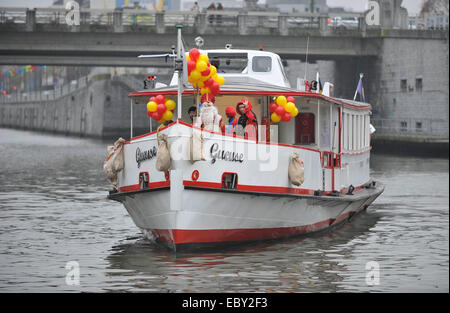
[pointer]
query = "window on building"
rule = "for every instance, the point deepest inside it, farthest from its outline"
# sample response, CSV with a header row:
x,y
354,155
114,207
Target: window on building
x,y
403,126
403,84
418,126
419,84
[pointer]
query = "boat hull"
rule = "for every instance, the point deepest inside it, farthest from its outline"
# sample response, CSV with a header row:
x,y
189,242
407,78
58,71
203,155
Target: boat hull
x,y
211,217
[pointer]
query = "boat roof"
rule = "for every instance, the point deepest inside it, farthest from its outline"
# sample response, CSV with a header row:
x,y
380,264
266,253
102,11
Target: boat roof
x,y
268,79
255,89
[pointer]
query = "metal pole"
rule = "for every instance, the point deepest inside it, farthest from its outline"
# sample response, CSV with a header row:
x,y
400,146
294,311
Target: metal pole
x,y
180,72
131,119
306,58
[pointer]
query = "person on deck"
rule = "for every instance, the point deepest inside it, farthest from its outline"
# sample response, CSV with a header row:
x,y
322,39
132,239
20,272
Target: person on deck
x,y
192,111
232,120
209,118
247,124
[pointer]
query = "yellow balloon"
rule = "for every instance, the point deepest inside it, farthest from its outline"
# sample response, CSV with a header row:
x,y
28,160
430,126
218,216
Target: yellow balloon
x,y
294,112
205,90
204,58
201,66
161,120
188,57
281,100
167,116
213,70
201,84
220,80
275,117
204,78
170,104
289,107
195,75
151,106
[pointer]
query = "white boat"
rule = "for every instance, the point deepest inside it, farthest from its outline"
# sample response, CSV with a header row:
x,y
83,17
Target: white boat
x,y
241,192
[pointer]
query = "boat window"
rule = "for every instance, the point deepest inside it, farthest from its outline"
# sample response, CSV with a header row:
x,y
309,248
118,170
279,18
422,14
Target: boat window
x,y
286,81
143,180
229,180
262,64
325,134
229,62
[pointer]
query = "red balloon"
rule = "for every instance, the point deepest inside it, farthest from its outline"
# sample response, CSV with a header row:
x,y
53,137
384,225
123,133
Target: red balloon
x,y
273,106
206,72
191,65
194,54
152,99
156,116
215,88
210,98
286,117
160,99
149,113
161,108
290,99
280,111
208,82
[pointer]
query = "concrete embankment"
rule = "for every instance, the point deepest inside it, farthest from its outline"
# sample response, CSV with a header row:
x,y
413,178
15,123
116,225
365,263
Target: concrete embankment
x,y
99,108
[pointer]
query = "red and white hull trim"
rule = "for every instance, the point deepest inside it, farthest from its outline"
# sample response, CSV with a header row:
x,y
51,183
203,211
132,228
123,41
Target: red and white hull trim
x,y
213,217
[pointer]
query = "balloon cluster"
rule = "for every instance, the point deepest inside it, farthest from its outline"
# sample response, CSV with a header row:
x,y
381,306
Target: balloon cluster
x,y
203,75
283,109
160,108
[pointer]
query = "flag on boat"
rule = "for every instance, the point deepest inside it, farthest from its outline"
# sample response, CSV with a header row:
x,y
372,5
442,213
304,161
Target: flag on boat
x,y
182,54
360,89
319,87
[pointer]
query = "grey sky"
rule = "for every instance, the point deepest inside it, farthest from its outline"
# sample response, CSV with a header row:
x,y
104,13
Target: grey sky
x,y
413,6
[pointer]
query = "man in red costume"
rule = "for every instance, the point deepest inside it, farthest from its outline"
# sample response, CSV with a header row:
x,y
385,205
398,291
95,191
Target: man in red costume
x,y
232,120
247,123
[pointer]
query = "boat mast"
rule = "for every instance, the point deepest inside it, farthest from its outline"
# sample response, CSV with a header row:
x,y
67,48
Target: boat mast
x,y
179,67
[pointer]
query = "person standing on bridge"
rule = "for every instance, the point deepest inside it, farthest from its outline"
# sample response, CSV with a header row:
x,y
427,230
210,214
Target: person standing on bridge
x,y
211,17
196,10
219,17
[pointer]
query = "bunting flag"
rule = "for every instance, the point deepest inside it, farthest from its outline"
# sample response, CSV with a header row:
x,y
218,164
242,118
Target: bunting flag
x,y
22,69
360,89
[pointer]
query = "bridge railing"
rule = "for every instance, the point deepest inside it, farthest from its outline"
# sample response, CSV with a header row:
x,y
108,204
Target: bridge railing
x,y
120,18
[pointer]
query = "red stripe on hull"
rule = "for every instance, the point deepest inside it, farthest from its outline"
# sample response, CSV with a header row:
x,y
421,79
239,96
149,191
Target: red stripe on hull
x,y
183,236
151,185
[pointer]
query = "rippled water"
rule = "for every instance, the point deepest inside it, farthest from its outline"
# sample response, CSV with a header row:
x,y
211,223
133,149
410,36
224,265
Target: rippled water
x,y
53,209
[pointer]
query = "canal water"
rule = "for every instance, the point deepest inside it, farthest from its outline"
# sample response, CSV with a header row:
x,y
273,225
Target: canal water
x,y
53,210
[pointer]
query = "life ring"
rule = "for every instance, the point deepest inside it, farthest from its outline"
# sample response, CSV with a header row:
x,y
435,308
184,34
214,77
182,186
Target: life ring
x,y
195,175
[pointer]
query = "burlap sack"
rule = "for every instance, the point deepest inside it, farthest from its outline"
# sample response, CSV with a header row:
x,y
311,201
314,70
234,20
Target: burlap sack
x,y
295,171
196,152
114,161
163,160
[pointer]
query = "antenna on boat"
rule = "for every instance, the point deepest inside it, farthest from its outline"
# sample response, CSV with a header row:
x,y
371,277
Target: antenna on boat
x,y
179,67
306,59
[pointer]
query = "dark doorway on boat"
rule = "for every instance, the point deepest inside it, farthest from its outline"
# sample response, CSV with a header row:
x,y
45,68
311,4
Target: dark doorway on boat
x,y
304,128
229,180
